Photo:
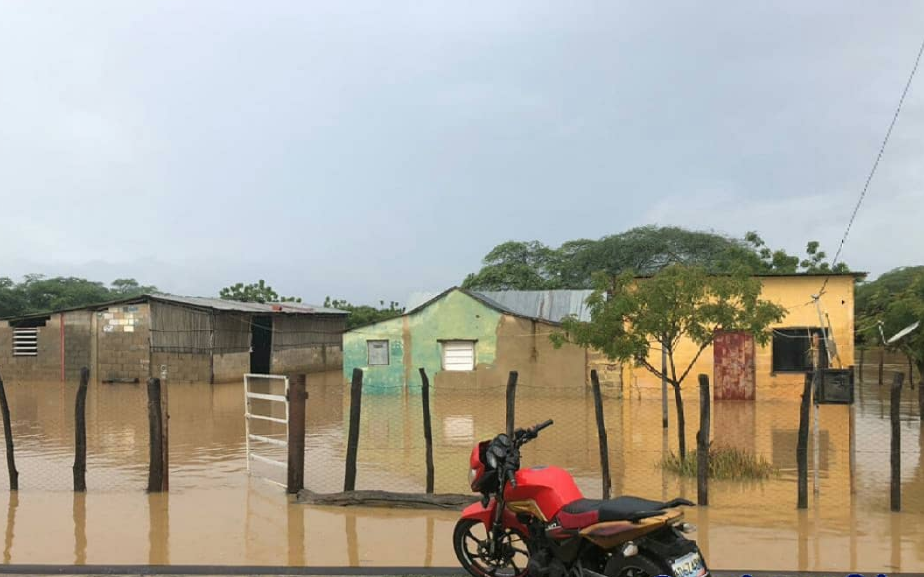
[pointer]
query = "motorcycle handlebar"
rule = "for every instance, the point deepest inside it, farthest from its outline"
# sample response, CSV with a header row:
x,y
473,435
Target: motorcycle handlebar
x,y
544,425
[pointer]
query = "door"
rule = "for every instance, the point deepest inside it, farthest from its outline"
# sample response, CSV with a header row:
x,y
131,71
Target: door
x,y
261,344
733,356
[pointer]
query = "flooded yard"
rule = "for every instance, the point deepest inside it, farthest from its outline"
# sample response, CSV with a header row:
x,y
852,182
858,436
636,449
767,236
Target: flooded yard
x,y
216,514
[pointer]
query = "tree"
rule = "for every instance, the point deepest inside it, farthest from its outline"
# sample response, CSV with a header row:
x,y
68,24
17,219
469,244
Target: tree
x,y
258,292
532,265
38,294
130,287
780,262
360,315
632,316
895,299
515,265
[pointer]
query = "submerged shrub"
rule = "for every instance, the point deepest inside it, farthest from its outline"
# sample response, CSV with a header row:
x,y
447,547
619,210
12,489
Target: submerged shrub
x,y
724,463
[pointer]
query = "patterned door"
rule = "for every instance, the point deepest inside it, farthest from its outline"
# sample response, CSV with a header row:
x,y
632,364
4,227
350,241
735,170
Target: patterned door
x,y
733,353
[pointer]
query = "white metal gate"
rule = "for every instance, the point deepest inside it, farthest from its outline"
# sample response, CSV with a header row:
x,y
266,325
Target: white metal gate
x,y
265,439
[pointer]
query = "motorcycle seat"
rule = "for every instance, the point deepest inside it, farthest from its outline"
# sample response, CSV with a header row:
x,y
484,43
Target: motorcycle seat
x,y
585,512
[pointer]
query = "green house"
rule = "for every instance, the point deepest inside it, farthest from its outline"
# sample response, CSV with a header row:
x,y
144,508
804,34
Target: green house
x,y
470,339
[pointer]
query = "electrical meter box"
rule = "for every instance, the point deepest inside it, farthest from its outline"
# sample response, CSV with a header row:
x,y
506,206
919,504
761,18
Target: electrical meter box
x,y
835,387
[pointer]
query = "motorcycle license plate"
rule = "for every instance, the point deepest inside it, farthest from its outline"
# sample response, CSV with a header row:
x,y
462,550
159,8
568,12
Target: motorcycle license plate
x,y
690,565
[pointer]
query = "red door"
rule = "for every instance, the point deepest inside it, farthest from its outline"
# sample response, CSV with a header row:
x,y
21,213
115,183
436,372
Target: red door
x,y
733,356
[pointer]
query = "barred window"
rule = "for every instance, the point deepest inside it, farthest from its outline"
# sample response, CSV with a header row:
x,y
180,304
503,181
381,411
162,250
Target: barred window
x,y
25,342
792,349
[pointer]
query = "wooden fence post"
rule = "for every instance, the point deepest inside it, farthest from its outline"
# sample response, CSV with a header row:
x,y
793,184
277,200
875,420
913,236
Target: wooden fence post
x,y
298,395
8,437
862,359
356,396
511,402
80,433
881,363
702,443
896,457
601,434
157,466
910,372
428,432
802,442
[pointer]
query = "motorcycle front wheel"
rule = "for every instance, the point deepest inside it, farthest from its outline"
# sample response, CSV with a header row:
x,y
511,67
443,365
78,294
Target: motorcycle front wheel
x,y
472,545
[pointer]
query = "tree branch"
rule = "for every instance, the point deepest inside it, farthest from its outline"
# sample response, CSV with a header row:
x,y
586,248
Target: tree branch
x,y
695,358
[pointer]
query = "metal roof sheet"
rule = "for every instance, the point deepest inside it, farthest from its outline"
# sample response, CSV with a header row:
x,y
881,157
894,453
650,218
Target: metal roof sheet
x,y
238,306
550,305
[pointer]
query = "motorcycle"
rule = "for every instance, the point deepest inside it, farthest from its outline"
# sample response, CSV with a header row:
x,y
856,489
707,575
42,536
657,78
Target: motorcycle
x,y
536,522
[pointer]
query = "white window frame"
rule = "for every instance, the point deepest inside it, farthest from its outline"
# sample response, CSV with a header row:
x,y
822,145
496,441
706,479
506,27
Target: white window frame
x,y
25,342
387,352
450,343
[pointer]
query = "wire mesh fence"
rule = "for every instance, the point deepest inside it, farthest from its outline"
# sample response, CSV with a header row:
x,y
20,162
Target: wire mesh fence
x,y
754,441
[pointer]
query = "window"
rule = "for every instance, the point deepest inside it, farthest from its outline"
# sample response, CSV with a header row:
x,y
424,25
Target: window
x,y
458,355
25,342
792,349
378,352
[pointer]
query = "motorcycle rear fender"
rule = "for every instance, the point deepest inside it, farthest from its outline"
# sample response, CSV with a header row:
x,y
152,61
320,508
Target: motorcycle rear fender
x,y
485,515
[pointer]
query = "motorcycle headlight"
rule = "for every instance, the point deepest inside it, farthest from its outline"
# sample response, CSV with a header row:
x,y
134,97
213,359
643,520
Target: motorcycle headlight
x,y
471,476
492,460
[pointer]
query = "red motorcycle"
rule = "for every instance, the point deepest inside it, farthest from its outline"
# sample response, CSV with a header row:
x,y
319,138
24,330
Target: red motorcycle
x,y
536,522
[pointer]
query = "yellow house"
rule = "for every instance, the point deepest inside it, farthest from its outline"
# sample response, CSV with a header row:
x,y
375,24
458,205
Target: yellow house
x,y
740,369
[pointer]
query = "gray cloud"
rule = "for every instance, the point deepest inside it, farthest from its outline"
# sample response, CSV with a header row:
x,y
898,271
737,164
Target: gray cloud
x,y
366,150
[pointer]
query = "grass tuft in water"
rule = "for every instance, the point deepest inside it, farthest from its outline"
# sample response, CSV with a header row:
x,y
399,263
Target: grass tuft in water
x,y
724,463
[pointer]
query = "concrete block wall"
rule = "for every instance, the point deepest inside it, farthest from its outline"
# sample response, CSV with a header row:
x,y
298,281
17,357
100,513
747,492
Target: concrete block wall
x,y
45,366
123,342
230,367
77,336
313,359
183,367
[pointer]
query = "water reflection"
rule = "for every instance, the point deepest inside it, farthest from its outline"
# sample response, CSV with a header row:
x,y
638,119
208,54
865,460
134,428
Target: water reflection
x,y
216,514
80,528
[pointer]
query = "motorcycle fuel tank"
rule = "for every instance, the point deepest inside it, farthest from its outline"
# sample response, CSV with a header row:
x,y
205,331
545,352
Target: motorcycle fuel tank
x,y
546,488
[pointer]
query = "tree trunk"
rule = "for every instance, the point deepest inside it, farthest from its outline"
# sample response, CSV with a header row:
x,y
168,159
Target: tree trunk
x,y
681,423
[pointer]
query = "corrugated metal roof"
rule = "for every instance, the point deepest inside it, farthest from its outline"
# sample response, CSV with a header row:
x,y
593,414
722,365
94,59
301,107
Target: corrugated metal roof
x,y
227,305
551,305
200,302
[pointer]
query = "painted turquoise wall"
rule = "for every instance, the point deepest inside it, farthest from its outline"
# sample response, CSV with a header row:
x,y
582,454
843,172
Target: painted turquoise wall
x,y
454,316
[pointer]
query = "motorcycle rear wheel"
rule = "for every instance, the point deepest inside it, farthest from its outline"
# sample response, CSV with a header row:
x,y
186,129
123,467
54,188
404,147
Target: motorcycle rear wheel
x,y
471,544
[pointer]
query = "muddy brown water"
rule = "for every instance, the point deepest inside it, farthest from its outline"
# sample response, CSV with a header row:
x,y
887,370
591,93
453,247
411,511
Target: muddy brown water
x,y
216,513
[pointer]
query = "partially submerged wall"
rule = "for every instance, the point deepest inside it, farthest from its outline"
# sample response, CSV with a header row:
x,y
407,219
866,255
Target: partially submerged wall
x,y
47,363
306,344
122,342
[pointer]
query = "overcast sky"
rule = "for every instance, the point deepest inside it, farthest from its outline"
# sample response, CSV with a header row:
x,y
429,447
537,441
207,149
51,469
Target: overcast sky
x,y
367,150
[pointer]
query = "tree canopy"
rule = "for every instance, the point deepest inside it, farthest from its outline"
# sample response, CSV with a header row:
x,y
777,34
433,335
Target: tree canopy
x,y
630,317
532,265
360,315
37,294
258,292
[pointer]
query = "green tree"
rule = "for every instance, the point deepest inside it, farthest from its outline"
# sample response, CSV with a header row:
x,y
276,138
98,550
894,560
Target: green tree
x,y
895,299
516,265
38,294
130,287
258,292
632,316
780,262
360,315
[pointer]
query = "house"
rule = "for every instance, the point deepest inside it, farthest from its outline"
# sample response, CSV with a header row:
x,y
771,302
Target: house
x,y
191,339
469,338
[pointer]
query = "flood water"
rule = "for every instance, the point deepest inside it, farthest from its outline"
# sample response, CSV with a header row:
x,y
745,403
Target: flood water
x,y
216,513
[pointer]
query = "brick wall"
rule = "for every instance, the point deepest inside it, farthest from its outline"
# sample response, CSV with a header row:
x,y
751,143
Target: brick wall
x,y
123,337
77,334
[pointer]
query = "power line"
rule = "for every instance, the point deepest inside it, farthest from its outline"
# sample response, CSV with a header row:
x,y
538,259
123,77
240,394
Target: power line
x,y
872,172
